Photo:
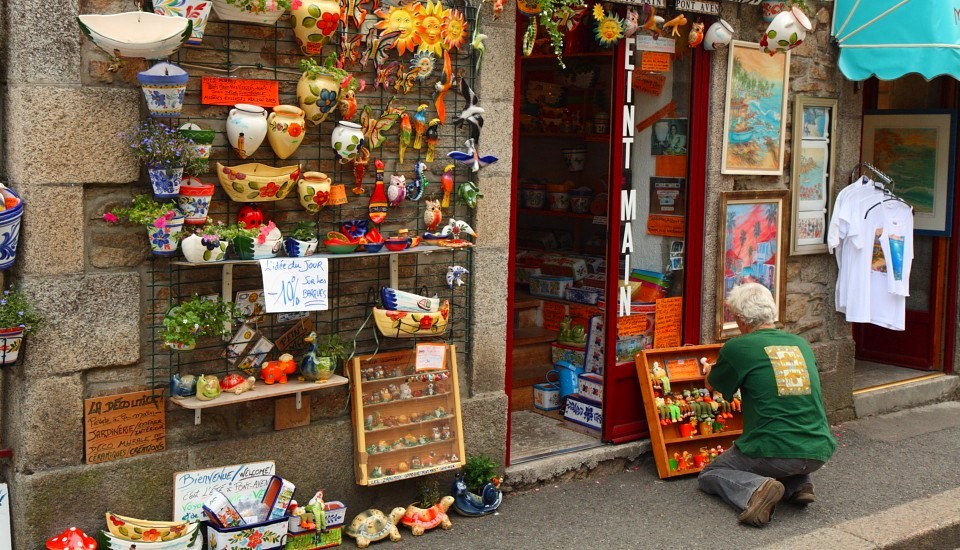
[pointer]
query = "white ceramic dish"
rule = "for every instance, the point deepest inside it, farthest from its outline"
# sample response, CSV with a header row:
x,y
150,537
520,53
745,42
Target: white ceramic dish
x,y
136,33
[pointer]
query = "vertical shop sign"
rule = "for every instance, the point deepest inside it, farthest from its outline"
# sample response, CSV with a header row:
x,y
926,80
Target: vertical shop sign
x,y
628,198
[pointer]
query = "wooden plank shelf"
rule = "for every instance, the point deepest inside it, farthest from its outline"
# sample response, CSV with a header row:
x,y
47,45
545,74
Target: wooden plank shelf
x,y
409,447
533,335
668,441
562,214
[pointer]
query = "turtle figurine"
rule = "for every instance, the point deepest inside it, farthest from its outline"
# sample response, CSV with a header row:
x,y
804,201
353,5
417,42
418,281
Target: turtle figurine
x,y
422,519
372,525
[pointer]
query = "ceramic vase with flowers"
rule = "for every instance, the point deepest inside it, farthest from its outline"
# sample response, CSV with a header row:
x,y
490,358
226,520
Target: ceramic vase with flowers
x,y
258,243
194,196
201,139
164,152
314,23
162,220
195,317
18,316
261,12
319,87
206,245
11,211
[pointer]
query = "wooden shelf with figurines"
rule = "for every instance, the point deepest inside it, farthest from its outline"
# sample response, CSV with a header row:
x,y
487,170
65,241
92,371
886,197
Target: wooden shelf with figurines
x,y
407,420
689,425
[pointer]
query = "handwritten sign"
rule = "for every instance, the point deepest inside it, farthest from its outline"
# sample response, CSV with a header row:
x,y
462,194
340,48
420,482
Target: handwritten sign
x,y
668,226
553,314
632,325
655,61
295,284
238,482
230,91
647,43
649,83
686,367
124,426
580,314
666,324
430,356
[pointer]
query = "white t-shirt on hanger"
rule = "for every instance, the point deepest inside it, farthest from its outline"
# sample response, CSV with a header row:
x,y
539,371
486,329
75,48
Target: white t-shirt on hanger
x,y
847,211
897,243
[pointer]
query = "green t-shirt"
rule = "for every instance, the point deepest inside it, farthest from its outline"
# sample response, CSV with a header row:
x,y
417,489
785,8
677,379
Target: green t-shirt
x,y
783,413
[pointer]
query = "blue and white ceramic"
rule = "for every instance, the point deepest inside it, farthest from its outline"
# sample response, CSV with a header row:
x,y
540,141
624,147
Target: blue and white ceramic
x,y
164,86
9,229
295,248
398,300
165,181
164,241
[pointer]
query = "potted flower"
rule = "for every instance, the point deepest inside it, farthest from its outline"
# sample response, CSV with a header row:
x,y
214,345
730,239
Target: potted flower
x,y
323,357
256,243
162,220
194,196
206,244
18,316
319,87
164,152
187,321
302,241
476,489
263,12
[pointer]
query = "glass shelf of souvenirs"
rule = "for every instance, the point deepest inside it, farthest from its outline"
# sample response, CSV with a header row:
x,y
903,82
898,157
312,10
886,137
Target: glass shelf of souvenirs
x,y
380,373
410,441
375,422
395,471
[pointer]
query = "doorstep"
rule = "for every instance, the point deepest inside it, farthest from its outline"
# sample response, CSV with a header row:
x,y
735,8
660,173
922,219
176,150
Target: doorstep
x,y
905,394
596,461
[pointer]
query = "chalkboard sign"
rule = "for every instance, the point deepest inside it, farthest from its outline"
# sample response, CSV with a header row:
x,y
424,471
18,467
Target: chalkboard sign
x,y
238,482
295,284
123,426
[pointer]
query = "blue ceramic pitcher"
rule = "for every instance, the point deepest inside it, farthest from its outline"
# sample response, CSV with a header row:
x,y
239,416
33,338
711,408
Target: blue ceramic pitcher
x,y
567,375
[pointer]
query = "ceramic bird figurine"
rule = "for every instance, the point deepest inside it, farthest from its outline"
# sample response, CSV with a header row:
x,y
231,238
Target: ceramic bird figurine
x,y
631,23
472,113
419,125
432,137
432,216
471,157
406,133
675,24
416,186
456,228
441,87
454,274
446,183
308,363
397,190
696,35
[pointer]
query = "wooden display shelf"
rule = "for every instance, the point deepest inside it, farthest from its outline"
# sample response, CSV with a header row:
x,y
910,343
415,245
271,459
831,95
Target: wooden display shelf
x,y
403,377
520,295
435,443
533,335
666,441
540,56
260,391
410,400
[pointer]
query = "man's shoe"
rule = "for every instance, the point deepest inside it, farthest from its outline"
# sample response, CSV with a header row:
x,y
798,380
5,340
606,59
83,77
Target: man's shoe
x,y
804,495
762,504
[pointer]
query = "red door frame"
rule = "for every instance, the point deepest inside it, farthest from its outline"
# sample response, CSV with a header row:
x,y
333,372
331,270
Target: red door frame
x,y
696,198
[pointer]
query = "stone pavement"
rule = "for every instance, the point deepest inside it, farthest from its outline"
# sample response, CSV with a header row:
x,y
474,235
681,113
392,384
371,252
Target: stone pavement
x,y
893,483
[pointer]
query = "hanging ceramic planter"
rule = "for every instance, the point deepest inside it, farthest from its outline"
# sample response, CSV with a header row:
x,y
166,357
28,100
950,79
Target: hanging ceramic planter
x,y
164,241
771,9
317,96
295,248
164,86
136,33
346,139
202,139
246,128
165,180
198,251
194,200
247,248
786,31
314,24
718,35
11,341
197,11
9,226
231,12
285,129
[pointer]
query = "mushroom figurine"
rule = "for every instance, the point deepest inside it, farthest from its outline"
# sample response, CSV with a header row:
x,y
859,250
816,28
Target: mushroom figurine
x,y
72,539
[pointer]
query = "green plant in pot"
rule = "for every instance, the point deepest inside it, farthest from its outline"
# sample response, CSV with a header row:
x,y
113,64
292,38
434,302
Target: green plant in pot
x,y
161,218
302,241
476,489
323,357
197,317
164,152
18,316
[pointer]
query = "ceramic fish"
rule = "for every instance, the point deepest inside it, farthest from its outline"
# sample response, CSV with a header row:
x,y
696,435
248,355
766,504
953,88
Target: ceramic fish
x,y
432,136
418,184
696,35
432,216
397,190
471,157
420,125
472,113
406,134
675,24
455,274
446,183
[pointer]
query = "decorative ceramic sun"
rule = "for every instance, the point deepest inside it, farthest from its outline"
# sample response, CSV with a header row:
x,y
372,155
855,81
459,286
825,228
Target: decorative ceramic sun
x,y
403,19
609,27
431,25
426,62
454,31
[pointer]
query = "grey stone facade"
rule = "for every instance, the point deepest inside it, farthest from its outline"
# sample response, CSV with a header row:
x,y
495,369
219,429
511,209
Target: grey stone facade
x,y
60,111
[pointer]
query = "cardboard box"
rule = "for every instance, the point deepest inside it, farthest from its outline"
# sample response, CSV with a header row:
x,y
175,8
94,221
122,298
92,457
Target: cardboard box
x,y
313,539
546,397
583,411
270,534
549,287
590,386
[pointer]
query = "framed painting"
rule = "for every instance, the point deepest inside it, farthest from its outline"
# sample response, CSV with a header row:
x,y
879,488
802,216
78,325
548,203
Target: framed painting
x,y
812,173
915,148
754,117
751,240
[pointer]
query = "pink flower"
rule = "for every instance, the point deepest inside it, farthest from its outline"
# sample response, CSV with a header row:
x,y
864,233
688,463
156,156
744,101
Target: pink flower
x,y
110,217
265,231
295,4
162,220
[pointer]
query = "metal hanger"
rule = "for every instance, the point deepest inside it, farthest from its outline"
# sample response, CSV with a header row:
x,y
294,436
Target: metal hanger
x,y
879,176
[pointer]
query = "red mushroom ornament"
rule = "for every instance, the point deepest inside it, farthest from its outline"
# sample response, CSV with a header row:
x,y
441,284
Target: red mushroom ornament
x,y
72,539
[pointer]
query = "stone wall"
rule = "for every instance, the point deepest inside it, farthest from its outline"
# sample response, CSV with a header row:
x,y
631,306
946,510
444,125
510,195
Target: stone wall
x,y
810,310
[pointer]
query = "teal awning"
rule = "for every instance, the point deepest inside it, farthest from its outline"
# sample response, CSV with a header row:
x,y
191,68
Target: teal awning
x,y
890,38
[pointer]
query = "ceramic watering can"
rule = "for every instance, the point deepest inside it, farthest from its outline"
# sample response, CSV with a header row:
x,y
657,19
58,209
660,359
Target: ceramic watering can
x,y
567,375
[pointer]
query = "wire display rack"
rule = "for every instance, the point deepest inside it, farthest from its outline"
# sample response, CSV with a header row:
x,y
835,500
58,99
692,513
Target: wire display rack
x,y
249,51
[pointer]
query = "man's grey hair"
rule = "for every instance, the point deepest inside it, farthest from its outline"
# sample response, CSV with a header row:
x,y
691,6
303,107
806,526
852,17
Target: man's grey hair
x,y
753,304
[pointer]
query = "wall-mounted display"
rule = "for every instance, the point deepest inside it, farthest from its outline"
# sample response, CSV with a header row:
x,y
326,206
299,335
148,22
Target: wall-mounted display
x,y
812,173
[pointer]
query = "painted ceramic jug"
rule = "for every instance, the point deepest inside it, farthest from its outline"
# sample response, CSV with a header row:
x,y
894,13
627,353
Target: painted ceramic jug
x,y
786,32
246,128
314,23
313,190
285,129
718,35
317,95
346,139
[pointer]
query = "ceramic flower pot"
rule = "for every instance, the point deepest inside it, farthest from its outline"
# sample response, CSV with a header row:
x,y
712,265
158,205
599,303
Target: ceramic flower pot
x,y
202,139
198,251
197,11
771,9
165,181
346,139
9,228
285,129
247,248
136,34
601,123
164,86
246,128
11,340
229,12
313,190
786,31
535,196
314,23
194,200
164,241
718,35
317,96
295,248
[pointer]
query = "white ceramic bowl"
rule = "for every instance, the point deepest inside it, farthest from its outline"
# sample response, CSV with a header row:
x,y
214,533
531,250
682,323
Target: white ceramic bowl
x,y
179,543
136,33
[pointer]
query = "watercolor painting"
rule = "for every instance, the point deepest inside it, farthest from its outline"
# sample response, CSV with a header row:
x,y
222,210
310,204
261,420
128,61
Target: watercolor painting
x,y
816,122
812,175
811,228
754,121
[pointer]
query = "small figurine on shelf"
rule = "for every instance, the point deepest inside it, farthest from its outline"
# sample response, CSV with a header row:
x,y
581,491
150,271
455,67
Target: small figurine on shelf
x,y
660,376
681,463
208,387
183,386
237,384
672,408
445,433
272,373
376,472
436,433
430,389
432,216
405,392
735,402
